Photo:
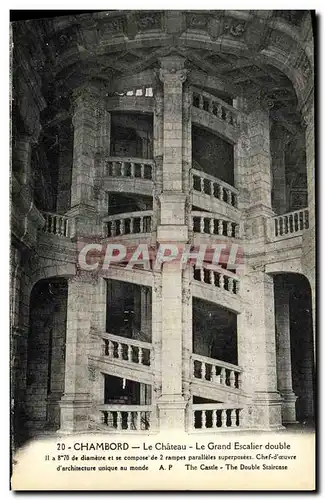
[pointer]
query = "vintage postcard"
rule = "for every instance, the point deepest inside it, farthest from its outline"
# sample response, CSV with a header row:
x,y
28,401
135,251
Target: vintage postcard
x,y
163,250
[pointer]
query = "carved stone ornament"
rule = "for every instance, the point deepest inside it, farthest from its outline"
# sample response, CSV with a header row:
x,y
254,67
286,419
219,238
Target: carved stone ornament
x,y
173,76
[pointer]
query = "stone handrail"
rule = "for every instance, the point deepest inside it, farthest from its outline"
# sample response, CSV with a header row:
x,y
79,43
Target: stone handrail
x,y
215,416
216,106
209,223
56,224
286,225
128,223
216,371
126,417
138,168
207,184
219,279
126,349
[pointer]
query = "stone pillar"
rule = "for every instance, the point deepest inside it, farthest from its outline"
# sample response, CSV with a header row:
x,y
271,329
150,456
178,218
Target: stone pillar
x,y
309,236
257,352
172,228
22,159
252,166
57,358
65,169
76,403
279,141
283,351
83,213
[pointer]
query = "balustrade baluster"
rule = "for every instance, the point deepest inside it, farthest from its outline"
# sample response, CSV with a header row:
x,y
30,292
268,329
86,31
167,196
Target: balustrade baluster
x,y
213,374
129,353
215,418
202,184
201,274
131,225
236,230
223,376
122,226
229,229
228,196
140,355
113,228
220,193
201,102
142,171
122,169
233,418
204,371
210,106
232,378
211,183
128,420
201,224
219,111
211,226
141,224
221,281
220,227
204,419
223,418
114,173
110,350
52,230
119,420
132,169
227,116
103,348
119,351
211,276
230,284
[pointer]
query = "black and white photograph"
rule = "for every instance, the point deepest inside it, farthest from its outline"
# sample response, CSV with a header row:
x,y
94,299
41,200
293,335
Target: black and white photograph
x,y
162,247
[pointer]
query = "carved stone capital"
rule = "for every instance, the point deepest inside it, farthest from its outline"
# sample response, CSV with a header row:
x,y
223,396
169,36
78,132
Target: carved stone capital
x,y
173,76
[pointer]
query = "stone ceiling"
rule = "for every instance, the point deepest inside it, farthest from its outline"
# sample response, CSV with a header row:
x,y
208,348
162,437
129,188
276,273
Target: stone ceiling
x,y
247,50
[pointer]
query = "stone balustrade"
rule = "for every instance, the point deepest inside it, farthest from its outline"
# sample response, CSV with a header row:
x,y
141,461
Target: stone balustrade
x,y
215,106
216,371
126,417
128,223
209,223
138,168
220,279
126,349
56,224
207,184
287,225
206,417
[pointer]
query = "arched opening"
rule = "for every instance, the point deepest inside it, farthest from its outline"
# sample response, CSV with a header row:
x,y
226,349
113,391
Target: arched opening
x,y
294,347
45,356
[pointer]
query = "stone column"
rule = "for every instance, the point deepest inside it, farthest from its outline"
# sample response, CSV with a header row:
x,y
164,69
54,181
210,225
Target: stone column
x,y
283,351
83,213
22,159
257,352
252,165
103,150
57,357
76,403
309,236
280,138
172,228
65,168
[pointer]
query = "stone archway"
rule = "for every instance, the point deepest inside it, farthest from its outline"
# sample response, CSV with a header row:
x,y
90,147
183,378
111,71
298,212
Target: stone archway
x,y
294,348
45,355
